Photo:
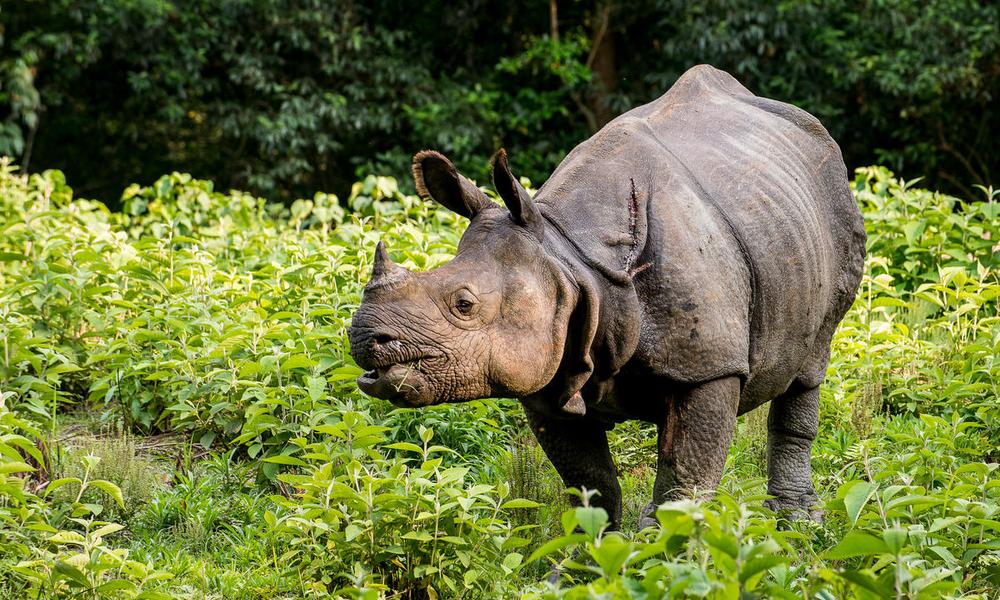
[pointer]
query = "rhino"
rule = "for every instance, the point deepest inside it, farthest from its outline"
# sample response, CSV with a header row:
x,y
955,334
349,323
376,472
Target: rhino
x,y
686,264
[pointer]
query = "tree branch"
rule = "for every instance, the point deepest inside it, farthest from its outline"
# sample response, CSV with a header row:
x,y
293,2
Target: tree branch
x,y
554,21
602,30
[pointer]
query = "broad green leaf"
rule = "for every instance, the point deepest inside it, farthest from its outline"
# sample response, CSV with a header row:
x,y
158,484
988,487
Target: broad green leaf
x,y
352,531
759,564
554,545
591,519
519,503
110,489
72,574
855,498
280,459
895,538
298,361
512,561
408,446
15,467
611,552
67,537
107,529
857,543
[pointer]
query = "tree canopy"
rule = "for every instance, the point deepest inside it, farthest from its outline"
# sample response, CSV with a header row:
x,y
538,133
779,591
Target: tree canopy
x,y
286,97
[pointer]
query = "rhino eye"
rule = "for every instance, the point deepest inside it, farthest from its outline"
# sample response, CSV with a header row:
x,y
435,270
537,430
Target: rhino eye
x,y
464,303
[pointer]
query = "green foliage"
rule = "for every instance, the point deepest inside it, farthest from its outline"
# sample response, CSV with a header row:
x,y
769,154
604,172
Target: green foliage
x,y
914,517
195,310
923,520
284,97
120,461
20,508
59,549
918,522
925,332
362,521
923,237
223,87
531,476
218,321
727,550
915,97
22,101
481,447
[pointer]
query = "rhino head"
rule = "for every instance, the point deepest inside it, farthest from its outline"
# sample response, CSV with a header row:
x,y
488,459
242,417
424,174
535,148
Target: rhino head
x,y
492,322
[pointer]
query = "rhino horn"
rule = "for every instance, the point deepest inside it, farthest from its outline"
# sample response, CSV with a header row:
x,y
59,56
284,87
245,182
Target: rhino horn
x,y
384,271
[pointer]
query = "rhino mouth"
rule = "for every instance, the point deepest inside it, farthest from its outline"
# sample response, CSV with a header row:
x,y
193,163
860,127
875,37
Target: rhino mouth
x,y
402,383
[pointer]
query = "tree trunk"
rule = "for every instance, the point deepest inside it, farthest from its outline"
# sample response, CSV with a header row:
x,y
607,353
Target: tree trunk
x,y
554,21
603,66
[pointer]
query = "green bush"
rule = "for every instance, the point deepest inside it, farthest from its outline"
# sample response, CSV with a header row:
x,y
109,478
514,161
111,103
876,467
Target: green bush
x,y
59,549
362,521
195,310
919,521
219,320
925,331
283,97
728,550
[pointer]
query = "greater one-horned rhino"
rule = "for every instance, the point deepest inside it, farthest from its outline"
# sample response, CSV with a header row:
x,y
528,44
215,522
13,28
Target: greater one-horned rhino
x,y
686,264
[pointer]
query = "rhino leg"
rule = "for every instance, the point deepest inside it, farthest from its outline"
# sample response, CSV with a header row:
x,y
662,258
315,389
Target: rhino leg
x,y
791,428
578,449
693,442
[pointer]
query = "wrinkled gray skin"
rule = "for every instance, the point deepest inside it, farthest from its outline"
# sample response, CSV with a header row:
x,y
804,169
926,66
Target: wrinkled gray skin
x,y
686,264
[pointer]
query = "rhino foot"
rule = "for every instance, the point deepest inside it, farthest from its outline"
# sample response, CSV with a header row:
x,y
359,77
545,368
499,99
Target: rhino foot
x,y
798,509
647,516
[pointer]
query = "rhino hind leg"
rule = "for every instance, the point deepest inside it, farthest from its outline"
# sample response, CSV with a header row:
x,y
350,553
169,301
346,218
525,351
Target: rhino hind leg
x,y
693,442
578,449
792,424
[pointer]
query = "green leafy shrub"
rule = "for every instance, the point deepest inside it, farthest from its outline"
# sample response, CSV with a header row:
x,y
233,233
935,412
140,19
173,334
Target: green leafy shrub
x,y
920,236
60,549
925,331
121,462
481,447
363,521
726,550
221,320
917,519
237,333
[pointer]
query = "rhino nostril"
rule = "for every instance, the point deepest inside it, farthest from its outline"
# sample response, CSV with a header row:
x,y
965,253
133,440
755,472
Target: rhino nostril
x,y
384,338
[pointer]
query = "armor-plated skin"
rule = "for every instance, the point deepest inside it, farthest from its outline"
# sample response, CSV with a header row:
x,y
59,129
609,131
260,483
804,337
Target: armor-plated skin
x,y
687,263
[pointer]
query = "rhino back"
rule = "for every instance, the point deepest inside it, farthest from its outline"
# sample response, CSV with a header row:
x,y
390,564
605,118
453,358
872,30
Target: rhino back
x,y
762,187
779,179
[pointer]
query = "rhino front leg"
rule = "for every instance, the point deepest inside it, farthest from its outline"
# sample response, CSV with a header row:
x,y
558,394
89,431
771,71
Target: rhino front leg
x,y
578,449
791,428
693,442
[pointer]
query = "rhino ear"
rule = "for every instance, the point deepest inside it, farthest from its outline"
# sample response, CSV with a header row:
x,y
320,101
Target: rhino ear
x,y
437,178
514,195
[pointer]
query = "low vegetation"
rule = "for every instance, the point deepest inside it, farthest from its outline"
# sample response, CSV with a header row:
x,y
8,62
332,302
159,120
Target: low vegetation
x,y
178,418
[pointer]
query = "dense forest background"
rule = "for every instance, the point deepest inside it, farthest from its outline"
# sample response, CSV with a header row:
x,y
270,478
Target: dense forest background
x,y
286,97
